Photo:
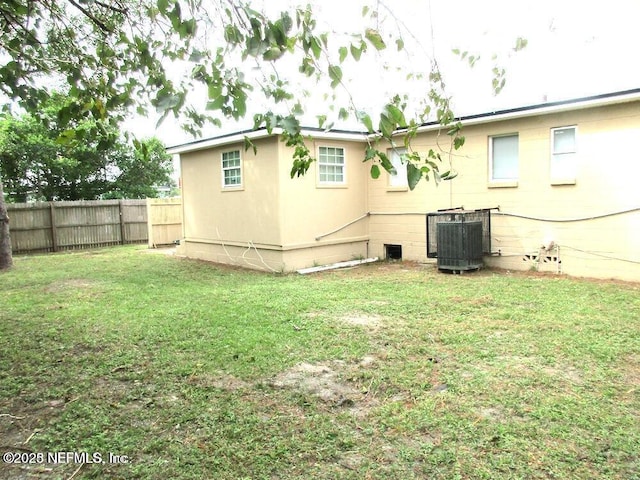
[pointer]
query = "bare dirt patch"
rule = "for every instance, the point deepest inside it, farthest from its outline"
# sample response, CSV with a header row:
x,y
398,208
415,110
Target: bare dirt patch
x,y
321,381
70,284
326,382
361,320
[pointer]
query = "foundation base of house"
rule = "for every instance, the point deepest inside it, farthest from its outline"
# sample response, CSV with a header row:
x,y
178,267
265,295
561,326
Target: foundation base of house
x,y
273,259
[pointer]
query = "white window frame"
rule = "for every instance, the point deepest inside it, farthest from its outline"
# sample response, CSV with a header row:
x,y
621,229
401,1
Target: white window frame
x,y
323,165
510,181
563,174
224,170
399,180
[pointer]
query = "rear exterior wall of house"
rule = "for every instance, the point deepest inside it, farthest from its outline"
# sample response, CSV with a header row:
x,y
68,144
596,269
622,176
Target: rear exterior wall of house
x,y
243,208
565,184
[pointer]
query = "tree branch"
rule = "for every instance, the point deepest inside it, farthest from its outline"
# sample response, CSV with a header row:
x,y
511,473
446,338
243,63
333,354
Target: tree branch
x,y
97,22
113,8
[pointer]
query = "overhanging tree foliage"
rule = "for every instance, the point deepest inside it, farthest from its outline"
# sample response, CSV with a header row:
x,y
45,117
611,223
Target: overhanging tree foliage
x,y
119,55
96,163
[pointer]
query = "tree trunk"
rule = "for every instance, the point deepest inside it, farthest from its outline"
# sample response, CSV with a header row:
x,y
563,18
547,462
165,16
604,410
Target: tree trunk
x,y
6,259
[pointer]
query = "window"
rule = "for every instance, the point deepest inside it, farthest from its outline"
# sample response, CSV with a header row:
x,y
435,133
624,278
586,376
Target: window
x,y
563,155
503,154
399,180
231,169
331,165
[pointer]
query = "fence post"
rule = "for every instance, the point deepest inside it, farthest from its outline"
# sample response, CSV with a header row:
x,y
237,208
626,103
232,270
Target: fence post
x,y
150,241
54,228
122,229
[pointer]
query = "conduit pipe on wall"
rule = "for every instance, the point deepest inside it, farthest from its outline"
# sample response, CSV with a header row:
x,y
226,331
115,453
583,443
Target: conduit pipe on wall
x,y
567,220
320,237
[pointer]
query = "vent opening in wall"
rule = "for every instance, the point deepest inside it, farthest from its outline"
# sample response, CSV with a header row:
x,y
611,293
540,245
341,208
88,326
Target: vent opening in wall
x,y
393,252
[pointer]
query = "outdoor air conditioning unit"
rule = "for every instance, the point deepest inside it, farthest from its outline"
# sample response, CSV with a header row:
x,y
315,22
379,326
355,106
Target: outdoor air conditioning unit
x,y
459,246
459,238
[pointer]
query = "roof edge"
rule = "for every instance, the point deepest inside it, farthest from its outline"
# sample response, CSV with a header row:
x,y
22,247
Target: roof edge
x,y
236,137
361,136
539,109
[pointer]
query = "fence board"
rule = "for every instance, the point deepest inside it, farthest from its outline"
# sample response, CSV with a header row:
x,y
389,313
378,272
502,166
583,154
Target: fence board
x,y
165,221
52,226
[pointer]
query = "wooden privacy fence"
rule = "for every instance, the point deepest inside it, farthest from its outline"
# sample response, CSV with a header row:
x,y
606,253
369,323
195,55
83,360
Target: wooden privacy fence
x,y
164,221
55,226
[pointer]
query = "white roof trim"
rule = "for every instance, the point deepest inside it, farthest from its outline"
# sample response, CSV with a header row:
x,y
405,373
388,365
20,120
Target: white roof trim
x,y
239,137
556,107
490,117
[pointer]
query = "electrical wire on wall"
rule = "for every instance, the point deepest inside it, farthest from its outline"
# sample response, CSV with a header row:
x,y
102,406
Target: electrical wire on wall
x,y
566,220
570,220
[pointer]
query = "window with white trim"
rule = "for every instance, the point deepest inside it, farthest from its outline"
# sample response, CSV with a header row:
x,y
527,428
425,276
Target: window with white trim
x,y
399,180
231,169
331,165
564,163
503,158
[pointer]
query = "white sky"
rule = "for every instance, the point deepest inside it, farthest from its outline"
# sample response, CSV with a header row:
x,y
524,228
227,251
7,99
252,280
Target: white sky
x,y
575,49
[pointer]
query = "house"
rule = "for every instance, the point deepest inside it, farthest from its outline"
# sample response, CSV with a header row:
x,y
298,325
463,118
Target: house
x,y
561,179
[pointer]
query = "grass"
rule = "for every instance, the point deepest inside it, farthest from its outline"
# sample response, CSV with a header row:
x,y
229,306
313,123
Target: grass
x,y
385,371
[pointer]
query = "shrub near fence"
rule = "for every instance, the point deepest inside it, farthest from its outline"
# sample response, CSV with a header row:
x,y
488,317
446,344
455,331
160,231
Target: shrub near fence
x,y
55,226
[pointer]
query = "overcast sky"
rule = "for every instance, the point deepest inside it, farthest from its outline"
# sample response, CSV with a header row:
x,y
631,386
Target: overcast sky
x,y
575,49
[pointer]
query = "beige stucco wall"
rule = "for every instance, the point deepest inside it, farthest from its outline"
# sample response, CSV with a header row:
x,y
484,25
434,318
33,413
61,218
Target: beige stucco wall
x,y
227,222
609,166
277,223
311,211
272,222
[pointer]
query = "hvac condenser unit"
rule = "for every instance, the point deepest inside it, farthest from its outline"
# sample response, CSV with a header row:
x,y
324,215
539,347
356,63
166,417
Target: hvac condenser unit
x,y
459,238
459,245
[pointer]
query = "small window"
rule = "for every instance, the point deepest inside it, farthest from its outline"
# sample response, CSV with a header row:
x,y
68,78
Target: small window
x,y
399,180
331,165
231,169
503,158
563,155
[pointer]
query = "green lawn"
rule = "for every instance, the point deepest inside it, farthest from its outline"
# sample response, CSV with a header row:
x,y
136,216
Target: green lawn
x,y
387,371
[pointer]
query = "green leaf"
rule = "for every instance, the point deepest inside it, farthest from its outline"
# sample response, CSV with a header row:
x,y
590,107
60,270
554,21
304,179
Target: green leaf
x,y
386,163
366,120
274,53
297,110
400,44
386,126
216,104
335,74
66,137
215,90
249,144
414,174
316,47
520,44
370,154
343,114
343,53
163,6
287,23
375,38
290,124
396,115
356,52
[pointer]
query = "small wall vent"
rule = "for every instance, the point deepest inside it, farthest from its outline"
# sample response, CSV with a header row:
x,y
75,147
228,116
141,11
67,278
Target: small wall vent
x,y
393,252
